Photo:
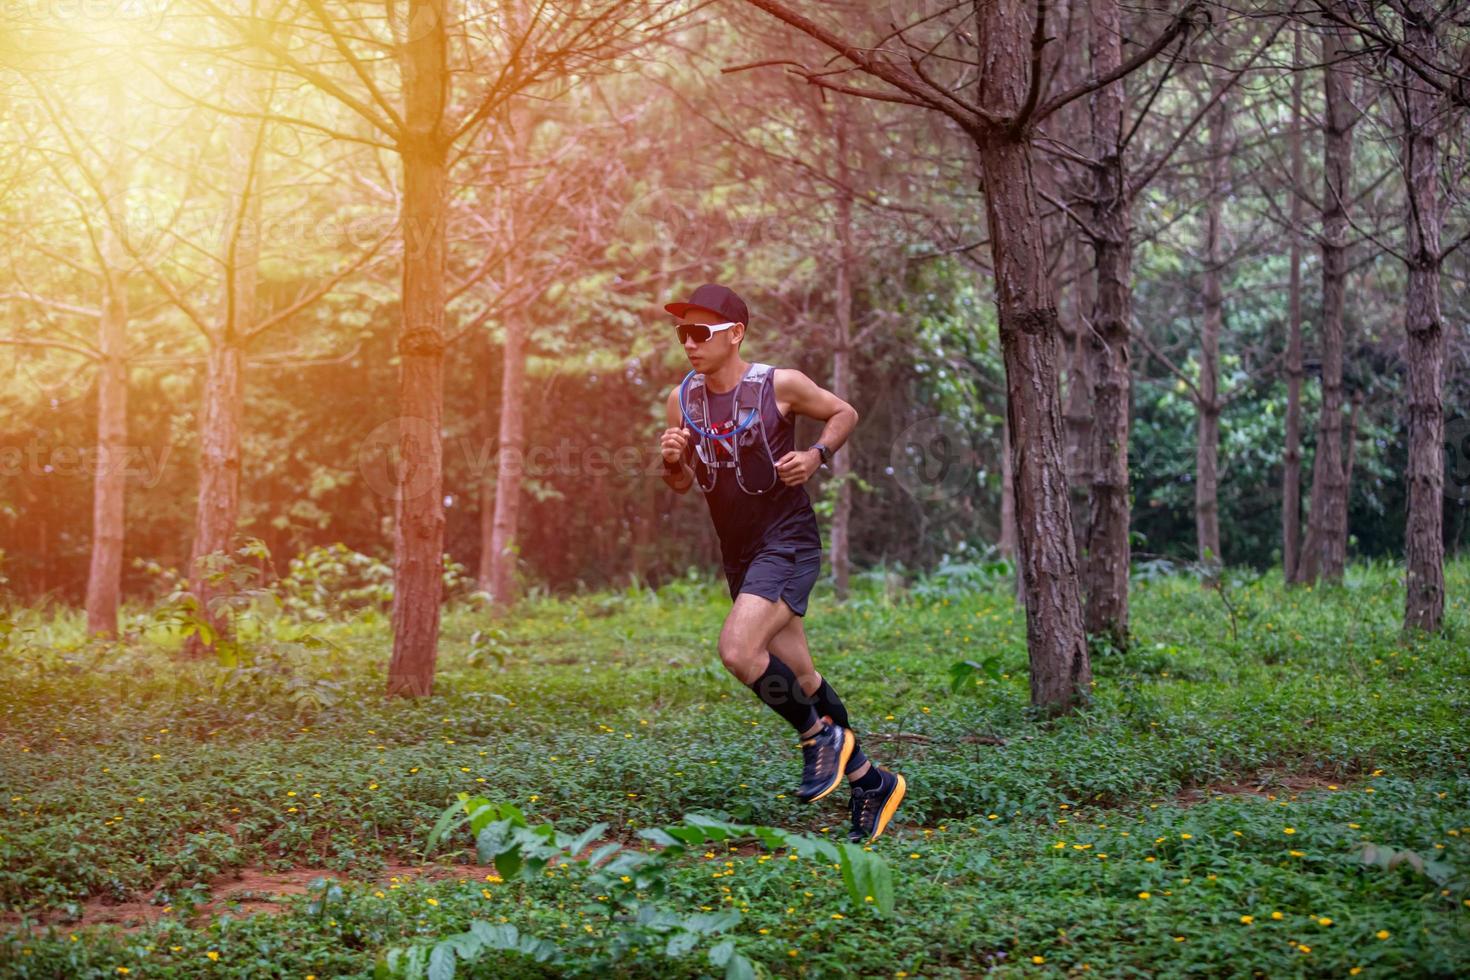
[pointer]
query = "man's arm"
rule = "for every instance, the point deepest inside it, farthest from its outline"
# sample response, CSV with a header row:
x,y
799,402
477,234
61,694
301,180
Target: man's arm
x,y
678,482
808,398
812,400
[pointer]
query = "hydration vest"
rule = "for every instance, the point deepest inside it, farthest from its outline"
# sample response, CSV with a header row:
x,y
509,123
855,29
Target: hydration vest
x,y
748,451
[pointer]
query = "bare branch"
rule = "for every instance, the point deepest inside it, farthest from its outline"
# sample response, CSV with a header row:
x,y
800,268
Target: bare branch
x,y
87,352
1182,20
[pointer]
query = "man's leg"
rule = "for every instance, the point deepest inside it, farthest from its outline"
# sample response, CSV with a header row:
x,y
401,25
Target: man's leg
x,y
876,792
748,630
791,647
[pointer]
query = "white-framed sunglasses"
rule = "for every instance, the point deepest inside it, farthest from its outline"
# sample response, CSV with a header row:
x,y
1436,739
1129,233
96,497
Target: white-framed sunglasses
x,y
701,331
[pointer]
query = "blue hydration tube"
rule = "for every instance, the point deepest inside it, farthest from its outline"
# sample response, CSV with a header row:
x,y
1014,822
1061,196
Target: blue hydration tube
x,y
683,410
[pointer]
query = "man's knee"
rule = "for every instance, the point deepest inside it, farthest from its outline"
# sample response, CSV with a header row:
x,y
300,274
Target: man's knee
x,y
738,655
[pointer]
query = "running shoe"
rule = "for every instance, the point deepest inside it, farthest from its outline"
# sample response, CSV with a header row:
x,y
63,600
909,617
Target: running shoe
x,y
873,808
823,758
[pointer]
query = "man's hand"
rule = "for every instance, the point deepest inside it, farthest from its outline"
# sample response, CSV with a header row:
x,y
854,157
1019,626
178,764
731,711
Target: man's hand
x,y
673,442
797,466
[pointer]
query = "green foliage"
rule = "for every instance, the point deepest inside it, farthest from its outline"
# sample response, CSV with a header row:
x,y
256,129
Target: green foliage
x,y
129,778
333,581
631,883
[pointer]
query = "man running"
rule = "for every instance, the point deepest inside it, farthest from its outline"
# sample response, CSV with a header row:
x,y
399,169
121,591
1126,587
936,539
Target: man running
x,y
737,443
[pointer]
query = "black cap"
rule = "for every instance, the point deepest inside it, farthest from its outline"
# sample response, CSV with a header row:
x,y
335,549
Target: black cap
x,y
719,300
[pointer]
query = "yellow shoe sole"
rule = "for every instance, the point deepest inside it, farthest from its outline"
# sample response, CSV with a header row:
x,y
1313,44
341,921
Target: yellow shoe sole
x,y
890,807
847,746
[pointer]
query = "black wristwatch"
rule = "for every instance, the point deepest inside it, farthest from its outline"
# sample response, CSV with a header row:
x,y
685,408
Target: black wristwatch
x,y
674,468
824,452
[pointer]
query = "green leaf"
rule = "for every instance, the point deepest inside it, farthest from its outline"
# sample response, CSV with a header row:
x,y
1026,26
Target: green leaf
x,y
539,950
688,835
508,863
466,945
882,878
866,874
606,850
659,836
680,943
852,875
481,812
441,962
720,954
712,921
585,838
496,935
739,968
453,816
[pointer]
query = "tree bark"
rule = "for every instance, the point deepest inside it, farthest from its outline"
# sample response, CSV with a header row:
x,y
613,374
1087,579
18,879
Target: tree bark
x,y
842,363
1061,674
1424,326
1207,436
109,486
1079,396
418,539
1291,477
1009,534
218,505
220,419
510,465
1106,568
1326,551
1069,121
488,411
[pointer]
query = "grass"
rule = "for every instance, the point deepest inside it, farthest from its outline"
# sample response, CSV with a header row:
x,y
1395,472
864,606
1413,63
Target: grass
x,y
1095,843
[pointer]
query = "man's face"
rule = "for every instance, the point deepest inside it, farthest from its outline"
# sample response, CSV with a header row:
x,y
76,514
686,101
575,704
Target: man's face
x,y
710,354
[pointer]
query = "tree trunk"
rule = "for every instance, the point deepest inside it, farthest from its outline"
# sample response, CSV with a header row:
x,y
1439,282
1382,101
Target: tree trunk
x,y
1326,554
219,476
510,468
220,420
1061,674
1009,535
1079,396
1106,569
418,538
1352,442
109,487
1072,119
483,473
842,363
1291,476
1425,348
1207,441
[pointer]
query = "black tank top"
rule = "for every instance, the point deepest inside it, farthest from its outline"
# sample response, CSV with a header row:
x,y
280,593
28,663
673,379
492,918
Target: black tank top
x,y
747,523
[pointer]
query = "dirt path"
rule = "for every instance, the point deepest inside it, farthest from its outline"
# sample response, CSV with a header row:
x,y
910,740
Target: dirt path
x,y
245,891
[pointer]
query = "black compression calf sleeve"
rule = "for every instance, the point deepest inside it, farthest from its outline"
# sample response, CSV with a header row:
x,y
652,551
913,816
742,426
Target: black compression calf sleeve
x,y
829,704
778,688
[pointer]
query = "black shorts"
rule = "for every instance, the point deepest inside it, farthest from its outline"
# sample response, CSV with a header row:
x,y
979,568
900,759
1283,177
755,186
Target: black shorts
x,y
778,571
